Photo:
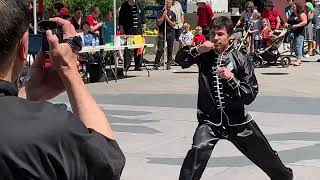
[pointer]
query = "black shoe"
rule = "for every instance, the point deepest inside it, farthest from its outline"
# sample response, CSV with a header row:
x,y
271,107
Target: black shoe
x,y
155,68
168,67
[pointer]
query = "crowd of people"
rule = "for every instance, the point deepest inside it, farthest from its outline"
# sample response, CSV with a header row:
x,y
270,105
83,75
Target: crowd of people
x,y
42,140
301,21
132,21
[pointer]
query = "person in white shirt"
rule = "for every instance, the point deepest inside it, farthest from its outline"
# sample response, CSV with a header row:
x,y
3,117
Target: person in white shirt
x,y
186,37
177,9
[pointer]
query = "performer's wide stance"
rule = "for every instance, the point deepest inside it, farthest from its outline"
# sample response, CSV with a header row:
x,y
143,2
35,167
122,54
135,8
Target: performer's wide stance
x,y
226,83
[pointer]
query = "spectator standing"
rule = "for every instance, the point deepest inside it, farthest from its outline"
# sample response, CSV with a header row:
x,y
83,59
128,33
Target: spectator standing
x,y
38,139
169,17
246,15
199,38
271,13
108,28
186,37
177,9
255,31
309,29
77,19
132,22
297,21
246,18
92,19
205,15
317,25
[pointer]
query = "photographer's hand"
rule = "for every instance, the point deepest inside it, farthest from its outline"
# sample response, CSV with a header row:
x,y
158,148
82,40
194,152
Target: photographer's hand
x,y
64,75
42,83
65,62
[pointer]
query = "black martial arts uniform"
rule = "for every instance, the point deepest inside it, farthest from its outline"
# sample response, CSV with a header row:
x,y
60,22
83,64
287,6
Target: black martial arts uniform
x,y
221,114
43,141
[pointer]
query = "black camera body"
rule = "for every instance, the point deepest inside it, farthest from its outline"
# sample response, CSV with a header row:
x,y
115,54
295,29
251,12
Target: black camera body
x,y
45,25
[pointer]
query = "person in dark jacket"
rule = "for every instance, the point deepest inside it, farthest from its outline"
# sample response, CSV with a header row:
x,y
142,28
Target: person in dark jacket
x,y
132,21
226,84
38,139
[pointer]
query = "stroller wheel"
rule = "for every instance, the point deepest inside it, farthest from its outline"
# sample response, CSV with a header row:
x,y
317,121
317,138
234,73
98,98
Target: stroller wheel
x,y
256,60
285,61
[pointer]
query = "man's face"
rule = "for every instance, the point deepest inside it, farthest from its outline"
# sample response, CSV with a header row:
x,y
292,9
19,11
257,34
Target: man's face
x,y
220,38
200,4
169,4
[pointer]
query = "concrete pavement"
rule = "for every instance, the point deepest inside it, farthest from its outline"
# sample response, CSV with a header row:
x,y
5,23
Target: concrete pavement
x,y
154,120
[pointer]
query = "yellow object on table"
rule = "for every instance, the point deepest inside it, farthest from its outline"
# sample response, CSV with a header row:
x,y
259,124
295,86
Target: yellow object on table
x,y
138,39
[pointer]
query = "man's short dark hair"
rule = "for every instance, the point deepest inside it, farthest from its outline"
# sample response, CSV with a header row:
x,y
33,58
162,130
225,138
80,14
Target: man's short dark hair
x,y
220,22
58,6
15,18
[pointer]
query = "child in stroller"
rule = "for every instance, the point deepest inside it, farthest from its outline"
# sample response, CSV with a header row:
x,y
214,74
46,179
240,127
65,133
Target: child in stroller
x,y
270,53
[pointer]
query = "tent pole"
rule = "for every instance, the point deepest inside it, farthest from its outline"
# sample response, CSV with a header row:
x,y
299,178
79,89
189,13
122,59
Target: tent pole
x,y
35,25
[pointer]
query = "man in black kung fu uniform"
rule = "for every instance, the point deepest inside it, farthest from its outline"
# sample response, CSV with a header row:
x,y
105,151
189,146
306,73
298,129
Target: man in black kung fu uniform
x,y
226,83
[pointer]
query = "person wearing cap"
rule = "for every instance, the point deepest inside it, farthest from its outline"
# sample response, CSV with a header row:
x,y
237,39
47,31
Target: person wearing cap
x,y
65,13
205,15
271,13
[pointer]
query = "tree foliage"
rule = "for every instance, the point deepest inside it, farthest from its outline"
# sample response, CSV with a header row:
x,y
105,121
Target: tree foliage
x,y
104,5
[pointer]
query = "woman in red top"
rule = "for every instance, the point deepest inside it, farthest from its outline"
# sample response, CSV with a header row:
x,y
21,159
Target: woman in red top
x,y
271,13
95,25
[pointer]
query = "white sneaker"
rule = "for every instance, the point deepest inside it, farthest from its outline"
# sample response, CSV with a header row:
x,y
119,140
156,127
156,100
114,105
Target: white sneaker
x,y
306,56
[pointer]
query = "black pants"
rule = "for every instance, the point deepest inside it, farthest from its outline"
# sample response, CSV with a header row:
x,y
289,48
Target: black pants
x,y
206,32
170,41
127,56
177,33
247,138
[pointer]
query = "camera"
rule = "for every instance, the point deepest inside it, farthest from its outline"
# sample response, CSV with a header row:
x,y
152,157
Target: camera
x,y
45,25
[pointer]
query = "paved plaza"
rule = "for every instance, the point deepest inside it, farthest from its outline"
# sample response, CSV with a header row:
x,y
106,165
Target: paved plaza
x,y
154,120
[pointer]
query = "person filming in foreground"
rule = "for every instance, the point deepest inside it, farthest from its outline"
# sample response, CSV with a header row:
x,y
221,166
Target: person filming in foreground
x,y
38,139
226,84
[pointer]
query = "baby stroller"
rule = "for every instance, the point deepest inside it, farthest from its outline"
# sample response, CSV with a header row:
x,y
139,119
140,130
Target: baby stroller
x,y
271,54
